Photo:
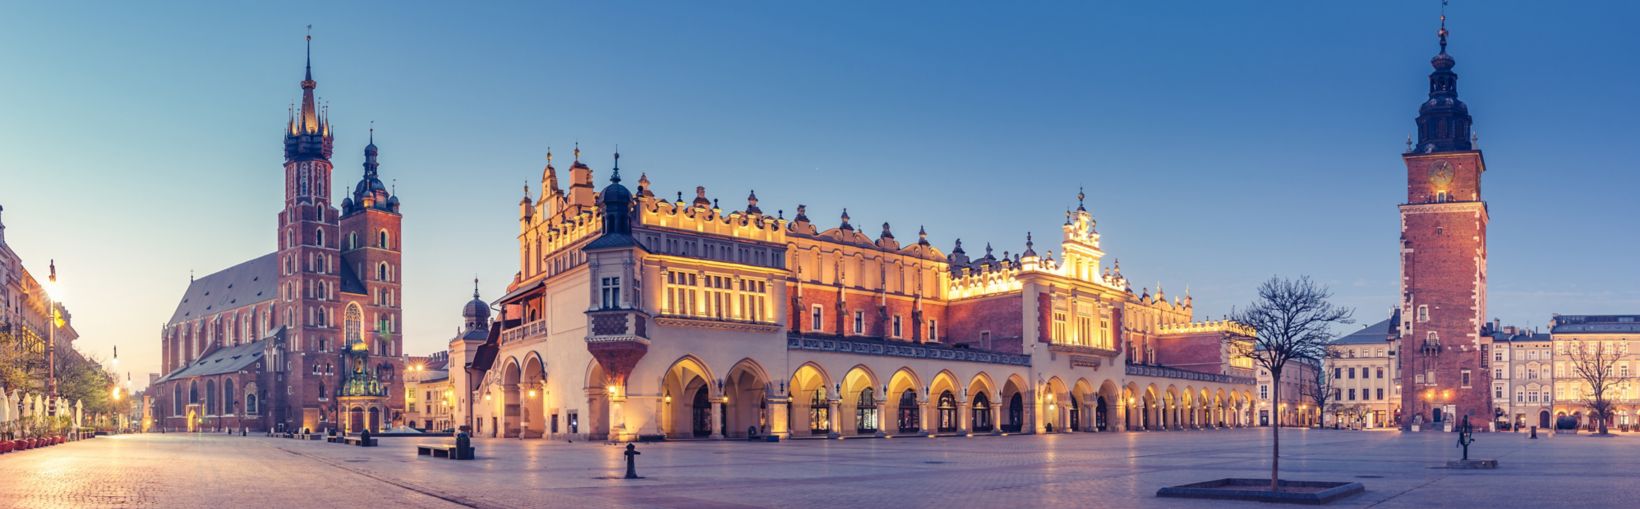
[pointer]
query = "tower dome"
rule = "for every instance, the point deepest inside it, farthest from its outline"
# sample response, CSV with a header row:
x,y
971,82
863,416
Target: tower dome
x,y
477,312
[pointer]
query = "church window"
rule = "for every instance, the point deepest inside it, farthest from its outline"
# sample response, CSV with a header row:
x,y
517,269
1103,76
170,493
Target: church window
x,y
250,403
381,271
319,237
353,324
381,239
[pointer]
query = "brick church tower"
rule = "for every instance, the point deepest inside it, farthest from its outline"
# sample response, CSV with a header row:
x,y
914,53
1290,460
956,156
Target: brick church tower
x,y
1442,354
309,280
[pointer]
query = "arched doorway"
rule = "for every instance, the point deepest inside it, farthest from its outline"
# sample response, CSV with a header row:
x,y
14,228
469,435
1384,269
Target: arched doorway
x,y
701,412
374,424
948,412
809,387
1076,414
1016,414
865,412
1543,419
746,410
982,413
909,416
1101,415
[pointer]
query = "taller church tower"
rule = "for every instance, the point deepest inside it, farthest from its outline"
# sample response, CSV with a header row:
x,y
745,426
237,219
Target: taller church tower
x,y
308,301
1442,355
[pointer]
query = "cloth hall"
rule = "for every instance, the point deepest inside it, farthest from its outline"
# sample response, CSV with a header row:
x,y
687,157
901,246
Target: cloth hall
x,y
636,317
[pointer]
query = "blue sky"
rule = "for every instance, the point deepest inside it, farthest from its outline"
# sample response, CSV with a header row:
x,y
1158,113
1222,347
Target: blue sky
x,y
1219,142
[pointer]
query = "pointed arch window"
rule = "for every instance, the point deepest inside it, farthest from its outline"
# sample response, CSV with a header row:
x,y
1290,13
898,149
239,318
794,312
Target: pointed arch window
x,y
319,236
865,412
948,412
381,239
353,324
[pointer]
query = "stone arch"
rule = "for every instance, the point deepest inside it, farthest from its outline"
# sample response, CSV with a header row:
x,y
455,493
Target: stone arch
x,y
860,415
982,405
1014,404
746,388
596,423
811,400
1055,405
511,398
905,398
533,384
1150,408
1082,398
945,402
689,392
1107,407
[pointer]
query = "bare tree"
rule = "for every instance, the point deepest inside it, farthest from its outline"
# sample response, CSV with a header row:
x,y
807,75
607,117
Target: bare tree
x,y
1322,391
1293,319
1596,366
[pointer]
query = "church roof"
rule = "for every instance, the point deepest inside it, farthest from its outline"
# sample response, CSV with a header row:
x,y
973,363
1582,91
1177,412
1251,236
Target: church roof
x,y
225,360
241,285
351,282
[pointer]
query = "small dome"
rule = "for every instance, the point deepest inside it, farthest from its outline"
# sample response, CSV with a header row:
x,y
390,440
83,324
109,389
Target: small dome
x,y
1443,62
476,309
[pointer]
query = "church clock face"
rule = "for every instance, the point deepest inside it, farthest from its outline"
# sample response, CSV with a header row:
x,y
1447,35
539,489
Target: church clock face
x,y
1441,176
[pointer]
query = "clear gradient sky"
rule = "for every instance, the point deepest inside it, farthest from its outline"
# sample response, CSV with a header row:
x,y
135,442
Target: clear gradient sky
x,y
1220,142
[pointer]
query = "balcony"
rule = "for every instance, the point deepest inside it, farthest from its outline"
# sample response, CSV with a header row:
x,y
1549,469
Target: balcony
x,y
532,330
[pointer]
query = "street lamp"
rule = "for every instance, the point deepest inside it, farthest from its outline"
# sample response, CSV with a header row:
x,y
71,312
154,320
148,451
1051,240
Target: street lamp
x,y
53,293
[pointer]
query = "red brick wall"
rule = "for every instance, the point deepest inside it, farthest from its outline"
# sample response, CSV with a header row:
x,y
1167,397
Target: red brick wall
x,y
1199,351
1443,251
999,314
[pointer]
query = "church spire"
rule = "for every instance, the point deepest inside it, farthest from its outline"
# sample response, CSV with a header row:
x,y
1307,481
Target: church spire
x,y
308,137
1443,120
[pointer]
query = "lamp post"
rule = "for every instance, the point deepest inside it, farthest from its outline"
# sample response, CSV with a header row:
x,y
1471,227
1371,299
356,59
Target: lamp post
x,y
51,341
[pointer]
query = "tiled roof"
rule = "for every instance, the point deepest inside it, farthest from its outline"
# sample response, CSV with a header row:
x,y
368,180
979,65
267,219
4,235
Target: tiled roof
x,y
241,285
351,283
1595,323
225,360
1375,334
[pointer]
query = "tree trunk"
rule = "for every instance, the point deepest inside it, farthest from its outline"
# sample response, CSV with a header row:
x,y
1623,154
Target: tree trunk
x,y
1275,429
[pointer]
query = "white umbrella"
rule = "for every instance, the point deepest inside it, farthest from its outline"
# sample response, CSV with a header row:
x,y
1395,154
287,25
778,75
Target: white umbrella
x,y
5,406
77,414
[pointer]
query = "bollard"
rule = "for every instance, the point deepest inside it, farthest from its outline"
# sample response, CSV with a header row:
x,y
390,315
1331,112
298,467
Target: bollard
x,y
1534,432
631,461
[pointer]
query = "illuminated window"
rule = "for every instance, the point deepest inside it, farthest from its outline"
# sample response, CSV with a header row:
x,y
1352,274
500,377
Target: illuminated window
x,y
865,412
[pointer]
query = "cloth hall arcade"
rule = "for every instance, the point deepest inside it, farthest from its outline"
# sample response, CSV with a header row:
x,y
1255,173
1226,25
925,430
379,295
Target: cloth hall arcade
x,y
634,316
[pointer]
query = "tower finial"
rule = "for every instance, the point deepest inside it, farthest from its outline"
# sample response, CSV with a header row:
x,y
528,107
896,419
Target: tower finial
x,y
475,287
549,155
577,151
310,52
372,132
1080,196
615,173
1442,32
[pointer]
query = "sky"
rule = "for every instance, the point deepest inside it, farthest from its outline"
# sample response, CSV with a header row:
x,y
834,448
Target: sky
x,y
1220,143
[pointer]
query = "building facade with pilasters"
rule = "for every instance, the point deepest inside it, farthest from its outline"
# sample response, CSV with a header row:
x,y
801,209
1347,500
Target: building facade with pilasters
x,y
634,316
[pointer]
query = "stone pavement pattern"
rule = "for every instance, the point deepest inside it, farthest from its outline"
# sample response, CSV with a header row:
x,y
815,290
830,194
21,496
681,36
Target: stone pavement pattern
x,y
1081,470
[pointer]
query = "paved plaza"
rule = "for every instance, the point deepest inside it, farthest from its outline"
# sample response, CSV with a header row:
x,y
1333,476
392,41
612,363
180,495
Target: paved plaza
x,y
1080,470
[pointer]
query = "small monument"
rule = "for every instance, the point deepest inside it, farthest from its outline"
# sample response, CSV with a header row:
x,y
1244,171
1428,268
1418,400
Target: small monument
x,y
1466,437
632,461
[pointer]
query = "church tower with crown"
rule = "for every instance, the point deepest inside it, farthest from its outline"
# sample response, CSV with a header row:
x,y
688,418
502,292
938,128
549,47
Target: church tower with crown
x,y
1442,354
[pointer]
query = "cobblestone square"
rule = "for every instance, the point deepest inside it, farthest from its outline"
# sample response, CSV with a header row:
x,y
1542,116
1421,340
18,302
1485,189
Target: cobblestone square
x,y
1070,470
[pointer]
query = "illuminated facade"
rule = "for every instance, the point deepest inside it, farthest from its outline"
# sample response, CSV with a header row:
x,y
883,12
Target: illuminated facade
x,y
305,337
633,315
1615,339
429,399
1366,385
25,318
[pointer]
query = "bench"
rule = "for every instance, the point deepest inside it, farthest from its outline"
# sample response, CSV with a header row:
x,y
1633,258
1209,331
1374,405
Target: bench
x,y
446,451
359,441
